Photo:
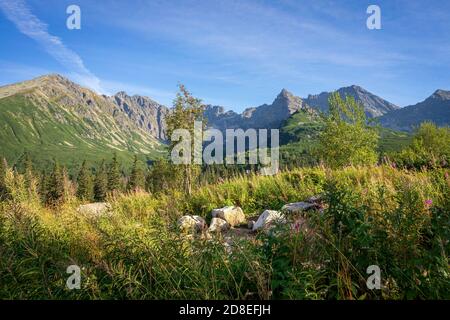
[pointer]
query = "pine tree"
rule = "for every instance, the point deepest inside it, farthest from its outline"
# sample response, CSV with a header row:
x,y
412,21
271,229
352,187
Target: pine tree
x,y
162,176
42,187
55,192
101,183
85,188
68,186
30,181
3,168
137,177
114,184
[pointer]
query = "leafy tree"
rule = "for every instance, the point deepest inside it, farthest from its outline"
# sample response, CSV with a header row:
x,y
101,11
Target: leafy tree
x,y
137,177
186,111
56,186
430,147
347,139
114,183
101,183
85,188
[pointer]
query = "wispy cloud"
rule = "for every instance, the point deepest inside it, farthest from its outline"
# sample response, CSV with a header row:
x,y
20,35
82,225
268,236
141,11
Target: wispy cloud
x,y
26,22
266,39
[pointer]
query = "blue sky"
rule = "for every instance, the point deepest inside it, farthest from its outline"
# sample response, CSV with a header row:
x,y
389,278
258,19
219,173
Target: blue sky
x,y
233,53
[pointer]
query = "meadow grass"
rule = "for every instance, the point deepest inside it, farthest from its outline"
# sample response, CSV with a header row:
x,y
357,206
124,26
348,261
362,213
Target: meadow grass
x,y
396,219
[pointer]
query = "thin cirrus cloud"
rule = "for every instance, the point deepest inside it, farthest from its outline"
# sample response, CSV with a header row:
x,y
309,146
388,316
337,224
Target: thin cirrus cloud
x,y
265,39
27,23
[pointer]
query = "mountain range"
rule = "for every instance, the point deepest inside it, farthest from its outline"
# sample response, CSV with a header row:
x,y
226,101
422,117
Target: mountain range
x,y
268,116
435,108
51,116
374,106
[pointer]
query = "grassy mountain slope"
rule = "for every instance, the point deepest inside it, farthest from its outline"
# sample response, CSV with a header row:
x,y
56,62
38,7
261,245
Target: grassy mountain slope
x,y
50,117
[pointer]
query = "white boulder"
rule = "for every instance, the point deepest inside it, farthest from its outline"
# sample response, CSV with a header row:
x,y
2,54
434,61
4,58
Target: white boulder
x,y
218,225
191,223
268,218
232,214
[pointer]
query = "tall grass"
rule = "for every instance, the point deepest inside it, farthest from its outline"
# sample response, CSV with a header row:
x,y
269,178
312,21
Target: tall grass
x,y
396,219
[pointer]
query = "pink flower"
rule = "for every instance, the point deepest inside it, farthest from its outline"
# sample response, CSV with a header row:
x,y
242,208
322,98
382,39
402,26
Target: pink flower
x,y
296,227
446,174
428,202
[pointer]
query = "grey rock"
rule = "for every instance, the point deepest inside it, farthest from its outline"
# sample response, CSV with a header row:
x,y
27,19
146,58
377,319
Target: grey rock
x,y
315,199
298,207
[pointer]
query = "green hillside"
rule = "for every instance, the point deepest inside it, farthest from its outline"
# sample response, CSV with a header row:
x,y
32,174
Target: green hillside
x,y
299,137
393,140
50,131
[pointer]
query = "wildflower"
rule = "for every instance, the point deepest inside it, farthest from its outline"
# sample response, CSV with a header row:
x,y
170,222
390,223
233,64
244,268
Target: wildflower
x,y
446,174
428,202
296,227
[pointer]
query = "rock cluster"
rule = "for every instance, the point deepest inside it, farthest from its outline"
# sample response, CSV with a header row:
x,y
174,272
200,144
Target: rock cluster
x,y
231,220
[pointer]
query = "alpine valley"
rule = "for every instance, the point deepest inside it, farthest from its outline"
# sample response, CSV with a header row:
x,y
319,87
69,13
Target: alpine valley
x,y
53,117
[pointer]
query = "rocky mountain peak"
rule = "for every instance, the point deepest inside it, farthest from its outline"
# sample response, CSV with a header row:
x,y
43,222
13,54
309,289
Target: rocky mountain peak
x,y
285,94
122,94
441,95
374,106
146,113
54,77
436,108
356,88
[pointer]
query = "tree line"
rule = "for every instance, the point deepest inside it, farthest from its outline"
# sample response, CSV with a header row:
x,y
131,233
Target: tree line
x,y
346,139
89,184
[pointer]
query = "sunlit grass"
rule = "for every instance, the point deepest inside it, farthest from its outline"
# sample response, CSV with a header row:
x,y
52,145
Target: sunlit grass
x,y
375,215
